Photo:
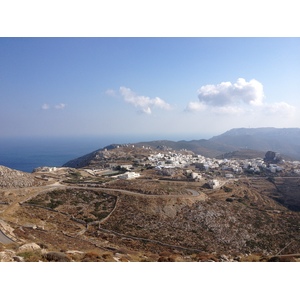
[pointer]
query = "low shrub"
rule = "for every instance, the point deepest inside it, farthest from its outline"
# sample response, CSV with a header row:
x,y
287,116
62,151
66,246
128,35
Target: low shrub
x,y
31,256
56,257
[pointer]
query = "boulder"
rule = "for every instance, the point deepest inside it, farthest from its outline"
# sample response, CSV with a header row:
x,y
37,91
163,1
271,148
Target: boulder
x,y
272,157
18,258
7,256
29,247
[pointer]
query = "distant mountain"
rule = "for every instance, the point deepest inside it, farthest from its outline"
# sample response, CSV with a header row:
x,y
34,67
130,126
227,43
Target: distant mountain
x,y
283,140
237,142
203,147
242,154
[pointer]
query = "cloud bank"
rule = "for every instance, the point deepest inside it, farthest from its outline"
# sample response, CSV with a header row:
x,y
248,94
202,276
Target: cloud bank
x,y
236,98
143,103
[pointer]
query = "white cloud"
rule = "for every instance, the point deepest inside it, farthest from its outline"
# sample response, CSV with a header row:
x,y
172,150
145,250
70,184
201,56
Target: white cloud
x,y
143,103
280,108
45,106
60,106
228,94
237,98
111,93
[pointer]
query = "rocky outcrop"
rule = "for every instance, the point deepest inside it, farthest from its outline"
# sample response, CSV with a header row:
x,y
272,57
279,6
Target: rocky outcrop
x,y
272,157
7,256
29,247
10,178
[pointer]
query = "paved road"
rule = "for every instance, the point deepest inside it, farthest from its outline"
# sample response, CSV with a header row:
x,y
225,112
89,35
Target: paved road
x,y
4,239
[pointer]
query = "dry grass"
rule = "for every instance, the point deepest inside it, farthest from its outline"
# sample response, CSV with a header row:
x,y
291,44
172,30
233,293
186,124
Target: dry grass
x,y
253,222
32,256
251,258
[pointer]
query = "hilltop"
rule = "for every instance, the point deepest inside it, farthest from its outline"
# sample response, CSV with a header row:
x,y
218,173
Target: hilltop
x,y
10,178
239,143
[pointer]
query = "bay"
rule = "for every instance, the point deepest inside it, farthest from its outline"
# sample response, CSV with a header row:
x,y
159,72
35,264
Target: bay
x,y
26,154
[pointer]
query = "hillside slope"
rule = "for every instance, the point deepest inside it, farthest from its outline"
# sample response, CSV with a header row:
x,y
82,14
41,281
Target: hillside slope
x,y
112,224
10,178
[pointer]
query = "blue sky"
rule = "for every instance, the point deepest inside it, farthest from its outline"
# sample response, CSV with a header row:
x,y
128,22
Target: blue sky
x,y
180,88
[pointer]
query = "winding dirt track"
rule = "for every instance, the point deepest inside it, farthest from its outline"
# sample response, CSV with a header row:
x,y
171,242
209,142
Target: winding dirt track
x,y
37,190
191,193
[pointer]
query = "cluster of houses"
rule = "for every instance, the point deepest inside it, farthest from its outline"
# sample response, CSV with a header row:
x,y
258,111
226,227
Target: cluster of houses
x,y
229,167
195,167
173,160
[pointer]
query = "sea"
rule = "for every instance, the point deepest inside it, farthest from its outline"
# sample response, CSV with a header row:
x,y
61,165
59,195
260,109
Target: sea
x,y
26,154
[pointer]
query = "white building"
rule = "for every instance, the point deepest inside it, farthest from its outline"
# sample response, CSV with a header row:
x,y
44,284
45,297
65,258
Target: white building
x,y
127,167
45,169
214,183
129,175
196,176
229,175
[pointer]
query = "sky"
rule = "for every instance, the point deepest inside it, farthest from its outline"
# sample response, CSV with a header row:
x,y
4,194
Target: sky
x,y
169,87
150,70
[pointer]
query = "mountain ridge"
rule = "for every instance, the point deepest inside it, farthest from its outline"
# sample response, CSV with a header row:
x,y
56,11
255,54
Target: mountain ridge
x,y
283,140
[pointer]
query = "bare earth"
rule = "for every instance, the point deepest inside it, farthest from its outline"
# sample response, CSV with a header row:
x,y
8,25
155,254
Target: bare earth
x,y
73,216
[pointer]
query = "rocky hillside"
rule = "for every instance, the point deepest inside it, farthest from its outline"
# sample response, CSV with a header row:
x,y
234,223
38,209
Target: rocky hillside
x,y
121,154
10,178
166,221
236,220
242,154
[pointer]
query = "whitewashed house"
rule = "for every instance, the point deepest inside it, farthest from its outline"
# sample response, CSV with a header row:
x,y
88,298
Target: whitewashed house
x,y
129,175
214,183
